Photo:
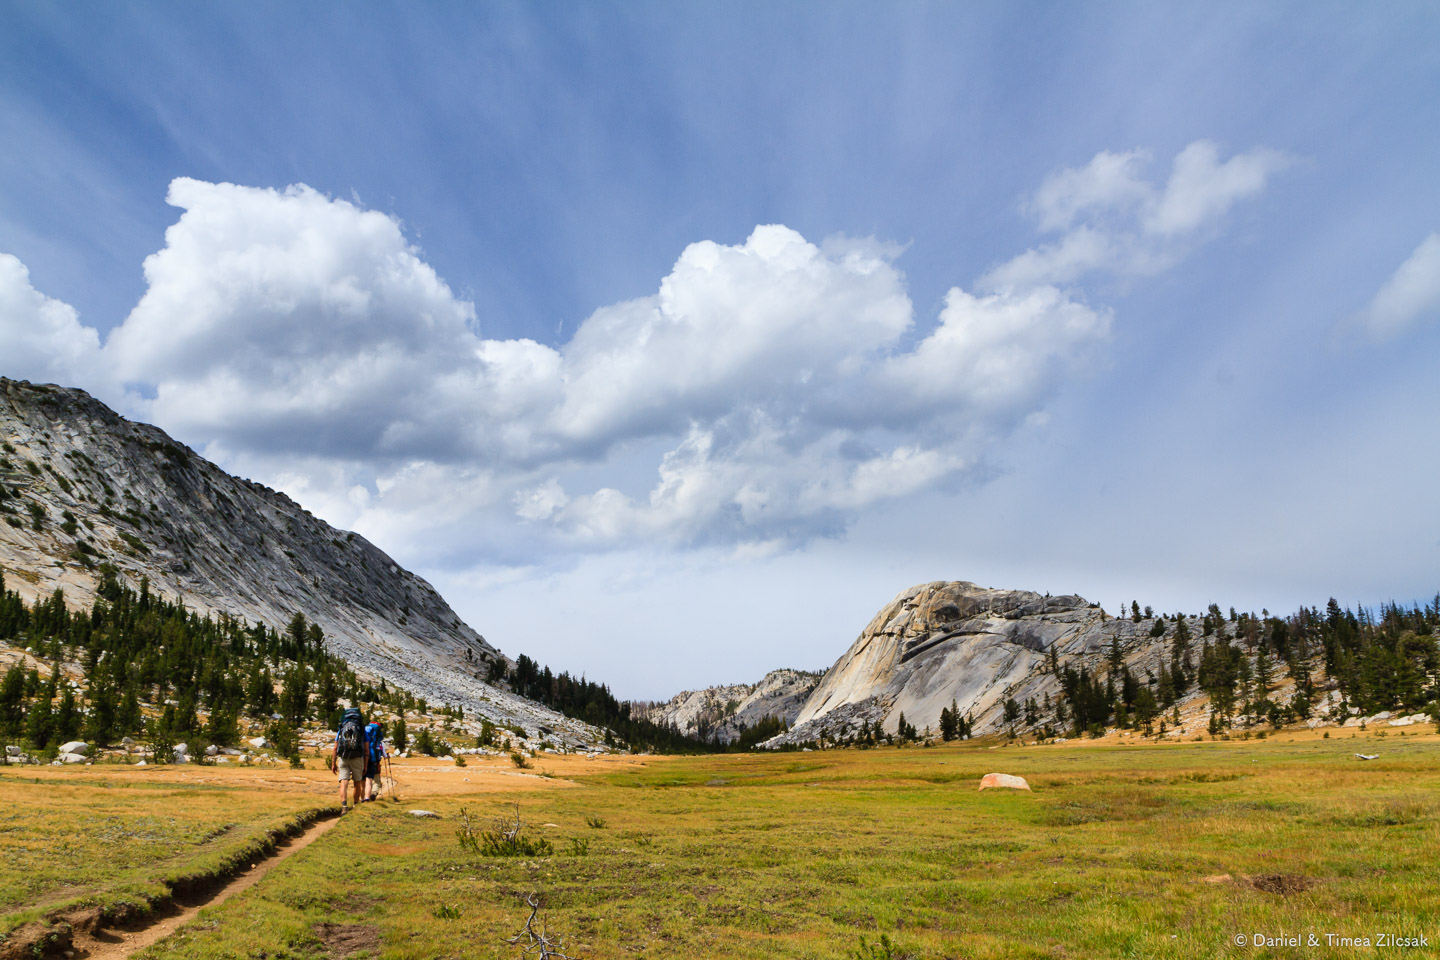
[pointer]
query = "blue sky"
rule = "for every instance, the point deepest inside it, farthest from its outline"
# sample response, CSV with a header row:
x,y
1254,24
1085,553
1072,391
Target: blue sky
x,y
1132,300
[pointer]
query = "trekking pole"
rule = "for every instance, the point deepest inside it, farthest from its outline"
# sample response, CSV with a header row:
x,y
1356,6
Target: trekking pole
x,y
394,787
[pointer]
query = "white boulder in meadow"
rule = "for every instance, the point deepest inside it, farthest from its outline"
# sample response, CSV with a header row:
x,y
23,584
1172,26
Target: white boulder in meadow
x,y
1003,781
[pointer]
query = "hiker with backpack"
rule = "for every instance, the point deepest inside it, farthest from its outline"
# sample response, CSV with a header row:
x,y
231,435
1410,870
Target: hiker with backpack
x,y
374,754
349,754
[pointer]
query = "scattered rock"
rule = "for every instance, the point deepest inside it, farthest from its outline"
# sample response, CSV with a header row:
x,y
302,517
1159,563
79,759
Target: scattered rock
x,y
1368,756
212,750
11,750
72,758
75,746
259,743
424,813
1003,781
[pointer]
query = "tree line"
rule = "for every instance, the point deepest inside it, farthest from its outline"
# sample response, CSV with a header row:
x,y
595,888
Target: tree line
x,y
592,702
1374,660
138,649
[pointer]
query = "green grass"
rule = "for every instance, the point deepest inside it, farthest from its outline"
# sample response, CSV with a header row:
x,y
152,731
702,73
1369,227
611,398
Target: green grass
x,y
116,841
1119,852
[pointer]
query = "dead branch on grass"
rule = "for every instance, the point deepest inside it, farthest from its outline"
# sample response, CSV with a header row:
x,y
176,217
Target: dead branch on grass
x,y
508,828
529,940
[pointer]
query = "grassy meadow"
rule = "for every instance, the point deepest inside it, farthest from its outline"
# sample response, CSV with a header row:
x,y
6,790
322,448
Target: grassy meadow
x,y
1121,851
110,835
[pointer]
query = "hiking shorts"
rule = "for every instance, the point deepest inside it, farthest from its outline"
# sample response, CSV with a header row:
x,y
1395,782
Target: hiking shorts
x,y
350,768
372,770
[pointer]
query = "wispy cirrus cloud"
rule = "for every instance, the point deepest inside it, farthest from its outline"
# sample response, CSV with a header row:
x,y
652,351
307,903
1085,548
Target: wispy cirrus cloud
x,y
1113,219
1410,296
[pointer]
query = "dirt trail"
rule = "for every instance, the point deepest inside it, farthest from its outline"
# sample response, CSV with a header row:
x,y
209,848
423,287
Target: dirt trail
x,y
115,944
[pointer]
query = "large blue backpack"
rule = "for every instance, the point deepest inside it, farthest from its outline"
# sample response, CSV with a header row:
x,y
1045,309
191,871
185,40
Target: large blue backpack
x,y
350,740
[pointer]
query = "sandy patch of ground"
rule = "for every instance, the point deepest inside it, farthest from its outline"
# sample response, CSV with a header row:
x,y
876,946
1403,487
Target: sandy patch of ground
x,y
413,776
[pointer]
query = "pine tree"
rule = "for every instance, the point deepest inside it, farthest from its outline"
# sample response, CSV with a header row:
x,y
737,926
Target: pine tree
x,y
40,724
222,729
1145,707
295,633
67,718
1011,711
129,719
1165,689
1182,634
327,693
12,702
161,734
1262,679
186,722
100,725
295,696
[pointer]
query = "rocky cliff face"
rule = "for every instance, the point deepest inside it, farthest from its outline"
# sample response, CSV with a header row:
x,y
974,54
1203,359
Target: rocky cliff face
x,y
83,486
727,711
940,642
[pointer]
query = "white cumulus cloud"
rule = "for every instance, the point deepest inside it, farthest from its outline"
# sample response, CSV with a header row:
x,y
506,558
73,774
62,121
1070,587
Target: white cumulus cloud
x,y
765,392
288,319
42,339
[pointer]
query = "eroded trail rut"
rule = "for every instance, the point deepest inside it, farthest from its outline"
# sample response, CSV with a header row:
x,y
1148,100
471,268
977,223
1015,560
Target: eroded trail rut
x,y
114,944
